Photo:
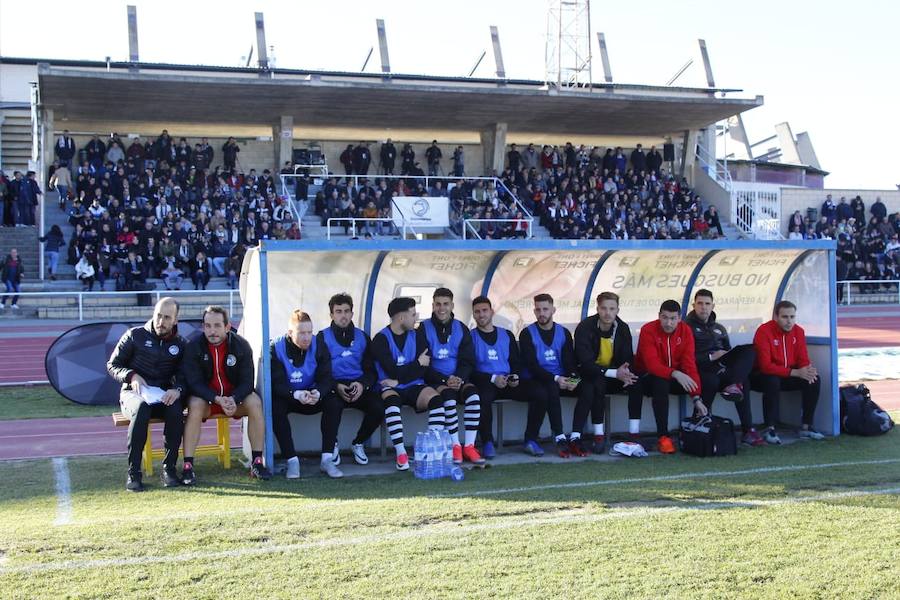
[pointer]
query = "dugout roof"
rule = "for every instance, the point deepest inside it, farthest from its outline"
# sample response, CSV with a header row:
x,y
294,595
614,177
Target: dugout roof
x,y
173,93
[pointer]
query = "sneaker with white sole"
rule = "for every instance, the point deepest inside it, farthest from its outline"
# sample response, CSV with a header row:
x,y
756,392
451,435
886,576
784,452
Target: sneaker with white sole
x,y
771,437
359,454
403,462
810,434
336,454
293,468
328,467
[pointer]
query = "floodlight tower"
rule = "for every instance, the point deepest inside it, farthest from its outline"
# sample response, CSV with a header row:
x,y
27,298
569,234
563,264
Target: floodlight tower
x,y
568,50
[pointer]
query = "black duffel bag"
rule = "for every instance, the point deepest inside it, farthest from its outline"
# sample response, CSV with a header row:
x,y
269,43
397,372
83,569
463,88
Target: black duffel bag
x,y
859,413
707,436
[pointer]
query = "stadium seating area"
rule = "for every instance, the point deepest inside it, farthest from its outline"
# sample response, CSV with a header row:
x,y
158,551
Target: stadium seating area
x,y
868,248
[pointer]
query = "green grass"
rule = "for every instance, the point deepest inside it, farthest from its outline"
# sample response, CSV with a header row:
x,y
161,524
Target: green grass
x,y
789,533
43,402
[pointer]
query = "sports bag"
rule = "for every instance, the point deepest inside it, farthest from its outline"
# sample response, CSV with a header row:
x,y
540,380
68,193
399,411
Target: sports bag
x,y
707,436
859,413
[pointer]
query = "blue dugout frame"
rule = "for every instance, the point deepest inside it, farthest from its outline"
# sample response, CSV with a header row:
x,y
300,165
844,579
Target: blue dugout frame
x,y
504,246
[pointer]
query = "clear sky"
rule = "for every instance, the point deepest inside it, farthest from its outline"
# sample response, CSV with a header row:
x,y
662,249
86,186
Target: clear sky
x,y
828,68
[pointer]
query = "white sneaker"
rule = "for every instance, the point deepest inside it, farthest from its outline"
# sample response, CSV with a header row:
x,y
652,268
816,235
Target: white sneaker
x,y
359,454
15,307
293,468
336,454
810,434
328,467
771,437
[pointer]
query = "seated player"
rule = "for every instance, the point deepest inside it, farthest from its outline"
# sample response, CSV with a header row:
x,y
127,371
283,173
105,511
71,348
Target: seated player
x,y
783,364
603,349
496,375
218,368
549,359
400,361
452,360
665,361
302,383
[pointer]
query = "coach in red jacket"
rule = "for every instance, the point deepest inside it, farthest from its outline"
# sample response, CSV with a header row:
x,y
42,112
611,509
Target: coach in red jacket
x,y
782,363
666,364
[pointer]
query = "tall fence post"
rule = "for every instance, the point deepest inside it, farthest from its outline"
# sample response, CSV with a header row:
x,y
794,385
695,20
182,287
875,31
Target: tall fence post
x,y
80,307
231,302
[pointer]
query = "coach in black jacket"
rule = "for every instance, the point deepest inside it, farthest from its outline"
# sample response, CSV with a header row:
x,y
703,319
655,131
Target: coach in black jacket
x,y
604,351
150,357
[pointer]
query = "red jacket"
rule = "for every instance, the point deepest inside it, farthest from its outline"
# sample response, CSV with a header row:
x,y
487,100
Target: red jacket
x,y
777,351
660,354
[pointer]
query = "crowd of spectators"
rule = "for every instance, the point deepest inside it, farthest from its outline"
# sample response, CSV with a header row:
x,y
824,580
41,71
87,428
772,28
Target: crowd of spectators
x,y
575,192
162,209
868,244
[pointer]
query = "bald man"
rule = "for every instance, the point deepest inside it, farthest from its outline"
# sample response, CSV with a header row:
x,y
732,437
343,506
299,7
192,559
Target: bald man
x,y
147,362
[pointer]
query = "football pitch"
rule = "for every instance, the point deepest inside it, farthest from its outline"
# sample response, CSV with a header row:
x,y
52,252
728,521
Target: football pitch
x,y
809,520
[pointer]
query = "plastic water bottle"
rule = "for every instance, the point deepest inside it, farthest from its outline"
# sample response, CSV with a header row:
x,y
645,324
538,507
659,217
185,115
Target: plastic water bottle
x,y
447,454
432,464
419,453
456,473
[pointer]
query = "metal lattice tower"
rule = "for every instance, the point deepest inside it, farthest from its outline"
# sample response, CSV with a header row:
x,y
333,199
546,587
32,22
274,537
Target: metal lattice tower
x,y
568,49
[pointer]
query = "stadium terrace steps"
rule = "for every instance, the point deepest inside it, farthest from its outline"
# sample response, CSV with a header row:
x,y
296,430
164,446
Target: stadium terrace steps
x,y
24,240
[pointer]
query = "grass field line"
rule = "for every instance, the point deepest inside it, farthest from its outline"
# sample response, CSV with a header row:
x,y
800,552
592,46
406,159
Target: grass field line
x,y
282,494
63,491
579,516
674,477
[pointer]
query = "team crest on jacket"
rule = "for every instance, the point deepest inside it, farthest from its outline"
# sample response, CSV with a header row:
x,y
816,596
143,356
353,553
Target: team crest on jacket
x,y
443,353
231,360
346,353
492,354
296,376
173,350
550,355
401,360
775,342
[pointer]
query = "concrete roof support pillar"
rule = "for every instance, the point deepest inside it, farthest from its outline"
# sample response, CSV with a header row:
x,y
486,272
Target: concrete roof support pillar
x,y
133,54
493,143
789,151
688,151
283,136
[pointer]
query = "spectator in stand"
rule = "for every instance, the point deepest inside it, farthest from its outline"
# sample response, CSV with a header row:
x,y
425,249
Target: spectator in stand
x,y
172,276
711,217
346,159
433,157
199,271
85,273
859,209
114,153
4,194
61,180
27,196
64,149
878,209
408,159
654,161
230,151
829,211
388,157
459,162
53,241
638,159
362,156
96,151
513,158
11,274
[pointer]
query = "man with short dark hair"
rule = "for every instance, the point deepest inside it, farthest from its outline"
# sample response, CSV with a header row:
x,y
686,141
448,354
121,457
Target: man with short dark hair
x,y
722,369
452,361
218,368
665,360
496,375
147,362
401,358
603,349
549,358
783,364
353,370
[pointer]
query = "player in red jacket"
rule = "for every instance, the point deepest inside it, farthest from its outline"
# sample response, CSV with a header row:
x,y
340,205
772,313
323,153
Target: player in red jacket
x,y
782,363
666,364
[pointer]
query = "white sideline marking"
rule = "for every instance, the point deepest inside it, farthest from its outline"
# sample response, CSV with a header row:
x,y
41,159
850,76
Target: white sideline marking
x,y
516,522
187,515
63,492
581,484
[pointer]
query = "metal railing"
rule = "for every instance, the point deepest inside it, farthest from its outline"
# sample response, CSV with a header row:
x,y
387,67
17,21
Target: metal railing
x,y
756,209
468,226
404,229
80,296
864,289
715,168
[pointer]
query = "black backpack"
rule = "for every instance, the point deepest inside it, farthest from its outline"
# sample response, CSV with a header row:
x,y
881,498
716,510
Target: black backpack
x,y
859,413
707,436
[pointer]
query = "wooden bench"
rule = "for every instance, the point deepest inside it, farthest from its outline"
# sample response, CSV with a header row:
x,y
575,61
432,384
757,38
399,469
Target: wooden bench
x,y
221,449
